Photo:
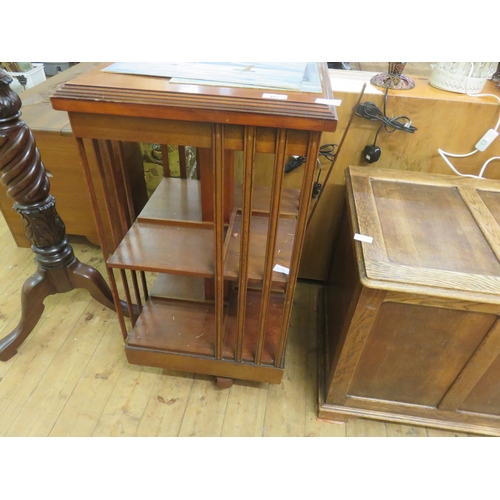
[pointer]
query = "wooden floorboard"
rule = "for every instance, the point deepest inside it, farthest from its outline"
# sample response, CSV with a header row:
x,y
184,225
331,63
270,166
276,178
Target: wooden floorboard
x,y
71,376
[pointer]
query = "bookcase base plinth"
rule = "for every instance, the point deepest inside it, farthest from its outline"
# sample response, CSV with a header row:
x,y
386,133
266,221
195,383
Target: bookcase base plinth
x,y
205,366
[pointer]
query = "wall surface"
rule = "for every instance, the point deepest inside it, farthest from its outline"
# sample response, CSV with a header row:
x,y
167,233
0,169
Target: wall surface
x,y
449,121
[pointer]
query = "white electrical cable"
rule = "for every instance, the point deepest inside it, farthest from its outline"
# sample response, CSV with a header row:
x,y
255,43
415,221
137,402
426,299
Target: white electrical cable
x,y
486,164
444,154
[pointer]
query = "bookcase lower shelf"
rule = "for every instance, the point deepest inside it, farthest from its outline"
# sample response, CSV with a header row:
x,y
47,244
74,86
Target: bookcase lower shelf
x,y
179,335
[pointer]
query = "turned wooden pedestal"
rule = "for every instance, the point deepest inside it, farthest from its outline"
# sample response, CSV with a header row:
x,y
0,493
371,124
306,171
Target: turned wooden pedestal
x,y
58,149
58,270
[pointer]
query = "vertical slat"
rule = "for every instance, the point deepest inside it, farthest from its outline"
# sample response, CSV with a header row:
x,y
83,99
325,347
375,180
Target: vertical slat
x,y
115,220
228,184
117,187
144,284
128,298
109,202
182,162
164,160
218,175
100,232
121,177
246,218
196,174
137,292
117,149
305,202
204,165
279,170
204,160
125,210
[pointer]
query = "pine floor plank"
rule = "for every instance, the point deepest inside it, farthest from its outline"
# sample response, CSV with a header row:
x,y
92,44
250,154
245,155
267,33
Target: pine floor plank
x,y
205,400
246,410
16,267
365,428
315,427
50,304
289,397
84,407
403,430
11,303
4,228
49,397
445,433
124,410
57,386
167,404
37,355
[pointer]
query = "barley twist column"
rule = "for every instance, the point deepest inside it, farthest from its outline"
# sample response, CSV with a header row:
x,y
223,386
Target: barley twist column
x,y
58,270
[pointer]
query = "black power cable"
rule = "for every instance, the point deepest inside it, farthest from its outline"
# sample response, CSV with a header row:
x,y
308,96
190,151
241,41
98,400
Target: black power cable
x,y
371,111
327,151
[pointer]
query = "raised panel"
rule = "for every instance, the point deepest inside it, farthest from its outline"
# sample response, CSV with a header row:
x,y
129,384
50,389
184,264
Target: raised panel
x,y
414,354
492,200
485,397
431,227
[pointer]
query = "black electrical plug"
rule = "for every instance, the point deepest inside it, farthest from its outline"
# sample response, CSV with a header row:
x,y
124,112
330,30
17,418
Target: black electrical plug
x,y
294,162
372,153
316,189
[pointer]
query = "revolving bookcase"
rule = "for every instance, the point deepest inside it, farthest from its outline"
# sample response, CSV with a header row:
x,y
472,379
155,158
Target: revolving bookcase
x,y
197,265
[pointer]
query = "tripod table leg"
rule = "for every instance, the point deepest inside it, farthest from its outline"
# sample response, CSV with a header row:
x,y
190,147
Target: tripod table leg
x,y
35,289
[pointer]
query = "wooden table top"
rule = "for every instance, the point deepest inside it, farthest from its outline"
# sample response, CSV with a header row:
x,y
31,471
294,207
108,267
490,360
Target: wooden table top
x,y
155,97
37,110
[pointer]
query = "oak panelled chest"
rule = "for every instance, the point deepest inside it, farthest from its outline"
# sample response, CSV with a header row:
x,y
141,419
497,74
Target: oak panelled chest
x,y
413,302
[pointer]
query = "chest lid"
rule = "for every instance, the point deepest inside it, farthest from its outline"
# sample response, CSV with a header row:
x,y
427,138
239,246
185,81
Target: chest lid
x,y
432,234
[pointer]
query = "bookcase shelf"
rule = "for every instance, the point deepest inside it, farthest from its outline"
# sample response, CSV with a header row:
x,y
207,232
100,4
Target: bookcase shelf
x,y
189,328
258,238
166,249
182,327
170,287
174,201
191,244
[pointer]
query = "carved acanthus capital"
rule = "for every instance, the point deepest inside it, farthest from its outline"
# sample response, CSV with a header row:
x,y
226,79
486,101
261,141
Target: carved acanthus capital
x,y
10,102
42,225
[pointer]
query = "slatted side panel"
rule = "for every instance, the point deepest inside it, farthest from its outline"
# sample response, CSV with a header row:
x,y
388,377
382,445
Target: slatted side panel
x,y
183,163
120,214
127,211
305,202
100,229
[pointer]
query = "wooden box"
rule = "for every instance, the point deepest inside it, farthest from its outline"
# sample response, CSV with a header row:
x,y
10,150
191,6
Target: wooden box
x,y
412,317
